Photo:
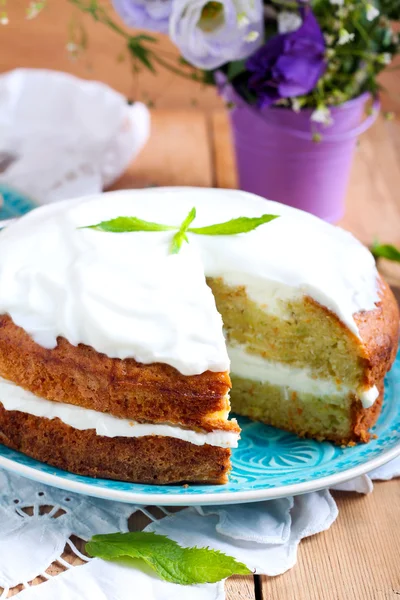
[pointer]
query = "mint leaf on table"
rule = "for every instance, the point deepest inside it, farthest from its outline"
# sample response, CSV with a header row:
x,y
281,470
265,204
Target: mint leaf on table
x,y
385,251
181,236
234,226
170,561
128,224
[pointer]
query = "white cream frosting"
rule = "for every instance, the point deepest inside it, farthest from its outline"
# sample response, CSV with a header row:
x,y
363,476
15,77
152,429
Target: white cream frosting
x,y
13,397
301,380
126,296
368,397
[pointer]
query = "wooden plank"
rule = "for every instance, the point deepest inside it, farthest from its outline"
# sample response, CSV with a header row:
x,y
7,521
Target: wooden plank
x,y
240,588
41,43
222,151
178,153
373,200
356,559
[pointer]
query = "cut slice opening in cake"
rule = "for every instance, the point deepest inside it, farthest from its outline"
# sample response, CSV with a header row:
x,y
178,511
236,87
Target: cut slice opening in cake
x,y
298,368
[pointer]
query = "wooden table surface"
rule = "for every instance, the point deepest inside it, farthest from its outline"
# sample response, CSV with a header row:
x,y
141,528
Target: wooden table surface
x,y
358,558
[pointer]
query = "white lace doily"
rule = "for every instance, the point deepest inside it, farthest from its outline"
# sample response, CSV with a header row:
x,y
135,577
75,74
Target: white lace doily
x,y
43,530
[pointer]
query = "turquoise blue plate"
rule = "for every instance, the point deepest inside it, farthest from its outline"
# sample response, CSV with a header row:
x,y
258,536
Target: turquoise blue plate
x,y
269,463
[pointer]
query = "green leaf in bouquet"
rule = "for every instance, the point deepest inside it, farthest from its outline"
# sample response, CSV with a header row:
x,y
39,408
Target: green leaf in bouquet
x,y
236,67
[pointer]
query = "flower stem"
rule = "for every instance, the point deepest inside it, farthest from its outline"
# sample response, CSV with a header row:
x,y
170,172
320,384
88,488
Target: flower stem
x,y
166,65
99,14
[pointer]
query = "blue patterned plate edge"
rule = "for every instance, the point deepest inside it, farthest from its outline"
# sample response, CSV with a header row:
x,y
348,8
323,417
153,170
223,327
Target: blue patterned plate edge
x,y
182,499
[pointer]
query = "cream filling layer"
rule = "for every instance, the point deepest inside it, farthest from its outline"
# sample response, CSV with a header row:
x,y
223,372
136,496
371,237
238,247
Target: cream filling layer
x,y
13,397
256,368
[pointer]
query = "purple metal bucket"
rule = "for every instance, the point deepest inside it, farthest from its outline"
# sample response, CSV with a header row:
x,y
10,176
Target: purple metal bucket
x,y
277,158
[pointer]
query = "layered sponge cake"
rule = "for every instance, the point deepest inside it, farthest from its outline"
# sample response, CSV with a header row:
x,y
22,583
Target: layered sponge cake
x,y
121,360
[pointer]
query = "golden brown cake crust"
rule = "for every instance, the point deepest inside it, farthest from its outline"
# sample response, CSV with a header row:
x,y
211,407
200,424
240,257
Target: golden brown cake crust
x,y
124,388
148,459
379,331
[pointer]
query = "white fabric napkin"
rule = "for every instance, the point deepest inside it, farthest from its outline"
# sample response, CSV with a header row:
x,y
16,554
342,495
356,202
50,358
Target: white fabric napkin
x,y
99,580
364,485
263,535
63,137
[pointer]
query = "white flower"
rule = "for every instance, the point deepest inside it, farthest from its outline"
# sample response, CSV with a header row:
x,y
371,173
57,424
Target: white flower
x,y
296,105
145,14
360,76
209,34
71,47
385,58
337,2
345,37
34,9
329,39
372,12
288,21
322,114
4,19
342,12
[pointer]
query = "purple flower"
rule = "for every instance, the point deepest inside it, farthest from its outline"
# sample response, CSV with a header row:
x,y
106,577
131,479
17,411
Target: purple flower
x,y
145,14
289,64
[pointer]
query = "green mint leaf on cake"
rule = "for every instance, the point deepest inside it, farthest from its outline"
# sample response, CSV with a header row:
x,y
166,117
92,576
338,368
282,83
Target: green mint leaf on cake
x,y
132,224
128,224
234,226
181,236
386,251
186,566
